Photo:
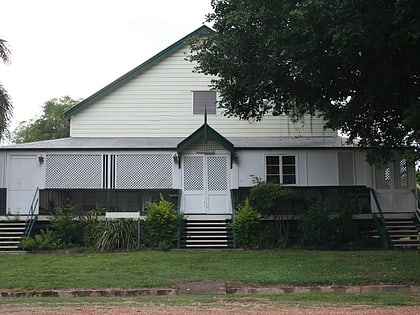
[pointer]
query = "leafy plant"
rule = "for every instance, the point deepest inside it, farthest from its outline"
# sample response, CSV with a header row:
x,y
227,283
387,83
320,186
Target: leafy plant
x,y
345,228
245,225
27,243
67,227
274,202
92,227
45,239
314,225
161,224
119,234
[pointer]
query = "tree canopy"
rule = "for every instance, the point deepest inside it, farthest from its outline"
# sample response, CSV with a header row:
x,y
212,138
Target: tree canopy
x,y
355,62
51,124
6,107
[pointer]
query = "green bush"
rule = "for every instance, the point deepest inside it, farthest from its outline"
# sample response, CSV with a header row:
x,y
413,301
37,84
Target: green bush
x,y
314,227
27,243
161,224
245,226
345,228
44,240
67,227
92,228
119,234
274,202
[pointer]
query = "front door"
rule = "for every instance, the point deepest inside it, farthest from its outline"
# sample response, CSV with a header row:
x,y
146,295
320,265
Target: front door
x,y
205,184
392,184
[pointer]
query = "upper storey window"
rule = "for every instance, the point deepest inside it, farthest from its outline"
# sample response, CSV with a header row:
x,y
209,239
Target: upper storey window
x,y
204,100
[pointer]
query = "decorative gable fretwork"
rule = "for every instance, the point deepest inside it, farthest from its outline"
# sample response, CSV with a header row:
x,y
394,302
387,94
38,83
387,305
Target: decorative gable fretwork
x,y
205,146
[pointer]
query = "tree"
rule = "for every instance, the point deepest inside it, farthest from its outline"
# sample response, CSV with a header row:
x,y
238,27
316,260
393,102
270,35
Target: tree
x,y
353,61
6,107
51,125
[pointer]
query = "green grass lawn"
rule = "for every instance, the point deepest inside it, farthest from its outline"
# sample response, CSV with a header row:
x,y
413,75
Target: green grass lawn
x,y
163,269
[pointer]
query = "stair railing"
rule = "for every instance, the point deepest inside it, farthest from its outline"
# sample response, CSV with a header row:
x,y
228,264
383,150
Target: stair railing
x,y
31,218
233,217
380,222
180,225
417,211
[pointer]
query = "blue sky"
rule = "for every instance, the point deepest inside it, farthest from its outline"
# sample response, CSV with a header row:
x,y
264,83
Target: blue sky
x,y
76,47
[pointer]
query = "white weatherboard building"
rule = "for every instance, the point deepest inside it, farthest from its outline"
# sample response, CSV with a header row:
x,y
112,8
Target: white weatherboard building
x,y
147,133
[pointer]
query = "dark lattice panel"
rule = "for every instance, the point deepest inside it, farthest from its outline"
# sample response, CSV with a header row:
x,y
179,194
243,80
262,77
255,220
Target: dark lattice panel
x,y
73,171
193,173
145,171
217,173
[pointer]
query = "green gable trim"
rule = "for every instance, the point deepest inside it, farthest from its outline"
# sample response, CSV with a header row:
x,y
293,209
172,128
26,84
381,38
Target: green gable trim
x,y
201,31
205,133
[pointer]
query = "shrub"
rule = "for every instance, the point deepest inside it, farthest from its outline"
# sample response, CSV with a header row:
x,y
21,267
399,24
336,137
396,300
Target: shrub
x,y
161,224
27,243
45,239
314,225
119,234
92,227
274,201
67,228
245,226
345,228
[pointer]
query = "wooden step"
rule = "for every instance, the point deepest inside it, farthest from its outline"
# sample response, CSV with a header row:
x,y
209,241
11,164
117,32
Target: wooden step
x,y
9,247
206,233
11,233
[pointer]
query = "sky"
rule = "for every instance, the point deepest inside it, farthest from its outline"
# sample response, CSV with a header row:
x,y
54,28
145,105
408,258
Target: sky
x,y
76,47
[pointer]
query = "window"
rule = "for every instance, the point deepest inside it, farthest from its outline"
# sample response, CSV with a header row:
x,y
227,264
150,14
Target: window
x,y
204,100
281,169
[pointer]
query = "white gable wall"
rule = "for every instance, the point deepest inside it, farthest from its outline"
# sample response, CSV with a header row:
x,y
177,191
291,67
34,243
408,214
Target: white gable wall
x,y
158,103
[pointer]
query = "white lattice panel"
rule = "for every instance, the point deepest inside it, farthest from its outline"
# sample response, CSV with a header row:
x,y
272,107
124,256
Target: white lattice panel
x,y
73,171
193,173
402,177
383,177
217,173
206,146
145,171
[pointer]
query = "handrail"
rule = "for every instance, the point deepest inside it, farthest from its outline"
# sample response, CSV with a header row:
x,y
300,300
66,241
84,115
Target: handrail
x,y
179,227
233,217
381,224
31,217
417,211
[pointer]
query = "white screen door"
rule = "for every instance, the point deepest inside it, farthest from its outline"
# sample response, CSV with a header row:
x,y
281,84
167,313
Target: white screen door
x,y
206,184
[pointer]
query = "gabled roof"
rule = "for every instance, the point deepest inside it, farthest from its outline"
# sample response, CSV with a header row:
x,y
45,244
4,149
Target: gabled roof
x,y
205,133
201,31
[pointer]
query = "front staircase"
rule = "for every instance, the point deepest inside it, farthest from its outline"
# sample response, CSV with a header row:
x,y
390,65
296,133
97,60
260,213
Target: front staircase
x,y
402,230
206,231
11,232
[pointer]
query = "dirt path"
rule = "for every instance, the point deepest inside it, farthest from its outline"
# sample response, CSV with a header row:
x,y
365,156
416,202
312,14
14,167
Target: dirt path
x,y
223,309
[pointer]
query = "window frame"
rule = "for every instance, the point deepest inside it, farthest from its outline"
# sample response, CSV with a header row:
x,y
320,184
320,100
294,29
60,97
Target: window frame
x,y
196,110
281,164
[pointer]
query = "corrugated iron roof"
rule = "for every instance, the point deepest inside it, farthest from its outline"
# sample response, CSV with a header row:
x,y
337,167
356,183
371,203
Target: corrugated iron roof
x,y
170,143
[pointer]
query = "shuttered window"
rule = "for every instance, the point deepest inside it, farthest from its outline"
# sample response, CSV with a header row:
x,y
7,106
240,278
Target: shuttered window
x,y
204,100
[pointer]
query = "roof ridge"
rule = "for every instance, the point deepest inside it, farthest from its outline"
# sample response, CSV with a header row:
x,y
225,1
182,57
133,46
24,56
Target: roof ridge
x,y
202,30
